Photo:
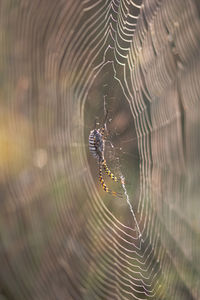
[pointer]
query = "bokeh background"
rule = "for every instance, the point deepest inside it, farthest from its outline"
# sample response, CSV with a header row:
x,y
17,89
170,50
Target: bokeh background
x,y
63,63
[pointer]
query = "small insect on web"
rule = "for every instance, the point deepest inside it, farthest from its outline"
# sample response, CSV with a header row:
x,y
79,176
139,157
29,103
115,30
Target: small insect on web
x,y
97,148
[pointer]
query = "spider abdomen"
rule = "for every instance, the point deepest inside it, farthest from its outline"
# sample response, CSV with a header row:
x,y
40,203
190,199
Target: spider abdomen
x,y
96,144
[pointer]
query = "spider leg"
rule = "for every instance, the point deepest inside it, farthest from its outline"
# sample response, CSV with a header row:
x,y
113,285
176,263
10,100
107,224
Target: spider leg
x,y
95,122
106,116
108,172
106,189
103,128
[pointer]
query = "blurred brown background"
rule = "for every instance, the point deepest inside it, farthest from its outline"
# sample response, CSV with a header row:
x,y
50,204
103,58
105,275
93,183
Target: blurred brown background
x,y
62,63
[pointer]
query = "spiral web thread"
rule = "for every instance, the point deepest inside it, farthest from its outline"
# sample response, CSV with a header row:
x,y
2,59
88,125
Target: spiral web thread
x,y
59,238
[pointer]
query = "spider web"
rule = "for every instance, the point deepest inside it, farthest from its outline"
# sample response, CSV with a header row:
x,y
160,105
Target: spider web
x,y
62,236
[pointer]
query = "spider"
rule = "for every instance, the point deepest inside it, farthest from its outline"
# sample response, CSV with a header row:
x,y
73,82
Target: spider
x,y
97,147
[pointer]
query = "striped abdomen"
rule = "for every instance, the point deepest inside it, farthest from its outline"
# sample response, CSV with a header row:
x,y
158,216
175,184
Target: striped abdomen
x,y
96,144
